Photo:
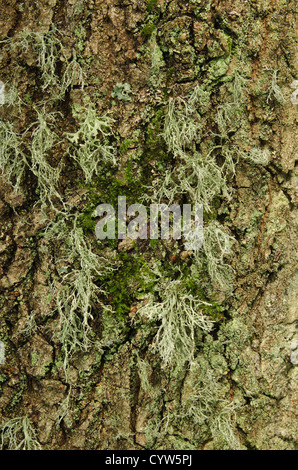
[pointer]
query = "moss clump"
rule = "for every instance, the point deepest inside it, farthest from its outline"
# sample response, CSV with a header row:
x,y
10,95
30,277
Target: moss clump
x,y
151,5
154,149
126,144
126,283
148,30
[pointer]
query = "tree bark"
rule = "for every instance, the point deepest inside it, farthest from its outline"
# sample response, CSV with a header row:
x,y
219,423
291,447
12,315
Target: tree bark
x,y
236,389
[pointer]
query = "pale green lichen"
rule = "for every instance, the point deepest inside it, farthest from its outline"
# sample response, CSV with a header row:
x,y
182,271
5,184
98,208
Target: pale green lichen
x,y
205,402
63,413
49,51
13,159
76,288
18,434
223,429
30,325
46,51
43,141
217,247
157,62
229,114
143,368
91,147
182,127
122,92
274,91
255,155
10,96
180,315
201,179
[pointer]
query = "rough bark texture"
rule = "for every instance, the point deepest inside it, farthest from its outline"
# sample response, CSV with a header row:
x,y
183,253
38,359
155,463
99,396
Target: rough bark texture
x,y
238,389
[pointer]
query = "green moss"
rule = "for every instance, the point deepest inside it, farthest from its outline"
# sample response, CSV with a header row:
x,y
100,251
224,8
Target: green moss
x,y
214,310
154,149
3,379
195,282
126,282
110,188
148,30
229,44
125,145
151,5
86,221
17,397
79,7
28,98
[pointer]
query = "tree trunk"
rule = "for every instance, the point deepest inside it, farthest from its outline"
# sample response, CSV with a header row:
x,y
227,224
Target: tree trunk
x,y
145,344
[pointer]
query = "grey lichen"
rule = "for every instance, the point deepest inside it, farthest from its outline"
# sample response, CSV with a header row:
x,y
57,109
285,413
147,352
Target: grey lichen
x,y
91,147
76,289
18,434
180,315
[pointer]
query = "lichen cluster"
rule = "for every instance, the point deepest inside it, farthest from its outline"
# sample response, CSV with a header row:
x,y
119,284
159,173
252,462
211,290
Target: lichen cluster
x,y
164,307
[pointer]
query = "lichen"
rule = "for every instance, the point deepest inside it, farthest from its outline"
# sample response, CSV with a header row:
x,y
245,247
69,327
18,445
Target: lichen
x,y
18,434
